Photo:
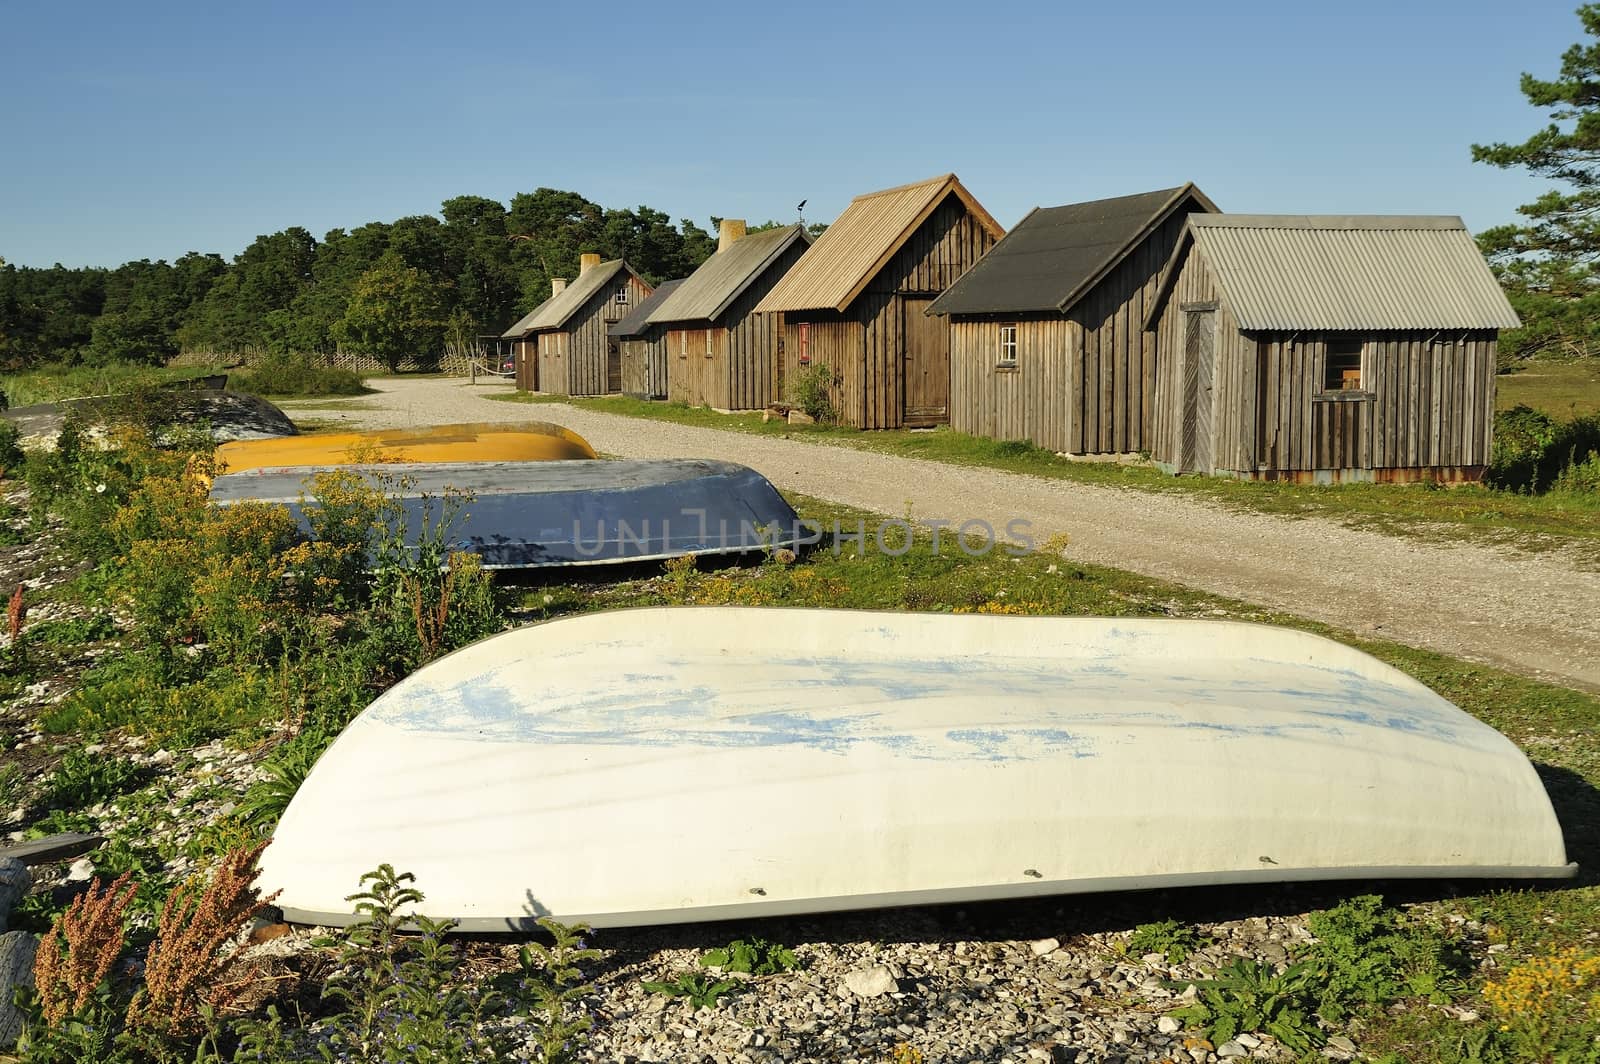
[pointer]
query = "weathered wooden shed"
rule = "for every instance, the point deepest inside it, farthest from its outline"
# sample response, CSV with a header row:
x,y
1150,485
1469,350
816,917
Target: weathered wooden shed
x,y
856,302
1047,338
721,352
1326,349
525,346
574,352
644,347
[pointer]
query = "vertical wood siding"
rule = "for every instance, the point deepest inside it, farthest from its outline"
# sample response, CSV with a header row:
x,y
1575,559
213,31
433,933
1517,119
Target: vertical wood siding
x,y
526,354
1034,401
693,376
587,346
644,366
1114,378
866,344
1085,383
834,341
1426,404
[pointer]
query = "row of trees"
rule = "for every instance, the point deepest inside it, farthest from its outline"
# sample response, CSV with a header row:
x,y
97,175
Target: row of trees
x,y
474,269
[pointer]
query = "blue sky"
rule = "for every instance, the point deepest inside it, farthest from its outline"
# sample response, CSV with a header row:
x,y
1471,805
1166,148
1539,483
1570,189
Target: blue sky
x,y
151,129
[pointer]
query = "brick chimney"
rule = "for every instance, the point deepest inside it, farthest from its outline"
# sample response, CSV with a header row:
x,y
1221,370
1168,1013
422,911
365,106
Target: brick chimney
x,y
588,261
558,285
730,231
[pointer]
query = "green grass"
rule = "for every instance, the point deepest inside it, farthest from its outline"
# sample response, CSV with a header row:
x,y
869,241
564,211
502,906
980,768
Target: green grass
x,y
50,384
1560,389
1469,511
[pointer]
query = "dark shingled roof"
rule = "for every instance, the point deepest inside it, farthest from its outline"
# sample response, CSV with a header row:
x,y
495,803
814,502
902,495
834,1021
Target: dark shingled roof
x,y
637,323
1056,254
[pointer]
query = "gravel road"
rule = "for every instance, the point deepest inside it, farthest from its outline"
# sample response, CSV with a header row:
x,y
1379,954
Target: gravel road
x,y
1538,614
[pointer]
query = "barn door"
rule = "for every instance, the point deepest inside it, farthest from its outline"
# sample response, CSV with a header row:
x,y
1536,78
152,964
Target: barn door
x,y
1199,352
927,364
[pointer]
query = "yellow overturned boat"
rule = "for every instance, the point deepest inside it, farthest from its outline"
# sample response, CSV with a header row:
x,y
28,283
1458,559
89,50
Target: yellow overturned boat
x,y
529,441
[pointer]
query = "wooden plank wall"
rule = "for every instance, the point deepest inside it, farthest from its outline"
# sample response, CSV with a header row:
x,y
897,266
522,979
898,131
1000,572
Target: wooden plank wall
x,y
1032,401
1193,284
553,378
526,353
644,366
1435,398
943,247
752,342
1114,378
1432,402
835,341
693,376
587,348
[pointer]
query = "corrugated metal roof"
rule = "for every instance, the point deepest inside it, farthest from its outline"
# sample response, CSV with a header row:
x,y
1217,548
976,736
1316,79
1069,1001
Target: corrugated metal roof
x,y
861,241
1056,254
553,313
637,323
1297,272
721,278
524,323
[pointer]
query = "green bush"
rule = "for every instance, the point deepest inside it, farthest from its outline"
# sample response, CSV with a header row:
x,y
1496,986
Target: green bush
x,y
811,389
10,451
1532,450
296,375
1173,940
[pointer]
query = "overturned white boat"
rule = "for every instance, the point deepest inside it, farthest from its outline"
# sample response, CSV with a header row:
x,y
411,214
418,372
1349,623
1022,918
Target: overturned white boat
x,y
675,765
527,515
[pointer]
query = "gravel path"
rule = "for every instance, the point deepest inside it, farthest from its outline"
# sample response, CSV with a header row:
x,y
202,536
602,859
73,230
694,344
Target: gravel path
x,y
1535,613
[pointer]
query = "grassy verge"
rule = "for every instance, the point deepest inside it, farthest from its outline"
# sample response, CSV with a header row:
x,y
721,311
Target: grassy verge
x,y
51,384
226,624
1467,512
1560,389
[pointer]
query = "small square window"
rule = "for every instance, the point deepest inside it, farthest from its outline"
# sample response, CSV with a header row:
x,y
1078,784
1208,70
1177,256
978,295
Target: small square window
x,y
1342,366
1008,345
622,295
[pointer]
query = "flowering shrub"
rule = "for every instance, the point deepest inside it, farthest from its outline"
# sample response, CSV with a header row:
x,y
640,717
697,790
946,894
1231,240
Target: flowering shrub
x,y
1548,1007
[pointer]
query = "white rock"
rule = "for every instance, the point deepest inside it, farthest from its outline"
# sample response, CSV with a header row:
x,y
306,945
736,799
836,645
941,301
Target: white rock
x,y
1168,1025
1231,1049
1044,946
1249,1041
871,982
162,757
82,871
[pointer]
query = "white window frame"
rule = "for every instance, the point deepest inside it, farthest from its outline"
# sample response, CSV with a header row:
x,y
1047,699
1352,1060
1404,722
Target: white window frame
x,y
708,343
1008,346
622,295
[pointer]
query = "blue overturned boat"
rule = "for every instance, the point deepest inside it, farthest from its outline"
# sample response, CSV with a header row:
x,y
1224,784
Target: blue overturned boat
x,y
530,515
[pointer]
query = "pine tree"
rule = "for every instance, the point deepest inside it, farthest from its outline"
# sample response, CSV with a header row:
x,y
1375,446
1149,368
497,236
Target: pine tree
x,y
1550,264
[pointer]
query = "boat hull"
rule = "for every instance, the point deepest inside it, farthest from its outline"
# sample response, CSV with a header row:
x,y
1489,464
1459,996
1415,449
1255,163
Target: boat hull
x,y
521,515
666,766
533,441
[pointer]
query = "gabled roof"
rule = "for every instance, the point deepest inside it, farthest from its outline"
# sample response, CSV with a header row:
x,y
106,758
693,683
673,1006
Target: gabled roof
x,y
524,323
637,323
1055,255
554,312
861,241
723,277
1282,272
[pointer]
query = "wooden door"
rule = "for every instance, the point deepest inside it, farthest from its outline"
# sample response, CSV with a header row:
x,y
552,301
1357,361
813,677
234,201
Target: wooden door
x,y
613,367
1199,353
927,363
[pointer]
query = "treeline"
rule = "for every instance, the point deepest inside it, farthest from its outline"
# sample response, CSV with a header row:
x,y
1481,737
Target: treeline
x,y
475,269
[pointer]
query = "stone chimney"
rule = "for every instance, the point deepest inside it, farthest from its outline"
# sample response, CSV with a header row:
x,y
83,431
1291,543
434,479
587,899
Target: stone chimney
x,y
731,230
588,261
558,285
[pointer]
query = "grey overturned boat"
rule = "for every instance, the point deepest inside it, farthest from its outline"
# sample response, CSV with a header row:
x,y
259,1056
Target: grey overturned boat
x,y
529,515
